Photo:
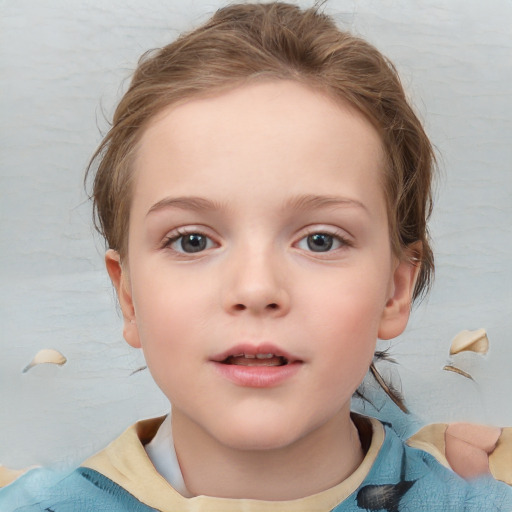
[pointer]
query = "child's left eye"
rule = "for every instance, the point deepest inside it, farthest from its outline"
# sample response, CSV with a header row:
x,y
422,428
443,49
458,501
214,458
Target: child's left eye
x,y
189,243
321,242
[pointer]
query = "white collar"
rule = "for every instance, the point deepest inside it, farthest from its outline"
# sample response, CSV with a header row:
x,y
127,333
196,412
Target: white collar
x,y
162,454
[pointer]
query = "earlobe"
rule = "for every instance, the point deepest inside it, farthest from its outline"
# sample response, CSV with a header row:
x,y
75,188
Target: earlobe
x,y
120,279
397,309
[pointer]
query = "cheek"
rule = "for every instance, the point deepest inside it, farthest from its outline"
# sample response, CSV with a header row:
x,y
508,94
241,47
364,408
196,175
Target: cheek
x,y
157,313
346,316
171,318
167,346
352,302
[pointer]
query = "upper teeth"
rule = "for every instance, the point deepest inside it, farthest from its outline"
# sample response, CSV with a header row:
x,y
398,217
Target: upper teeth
x,y
257,356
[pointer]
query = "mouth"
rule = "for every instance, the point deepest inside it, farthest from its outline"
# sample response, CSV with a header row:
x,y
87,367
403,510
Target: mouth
x,y
259,359
252,355
257,366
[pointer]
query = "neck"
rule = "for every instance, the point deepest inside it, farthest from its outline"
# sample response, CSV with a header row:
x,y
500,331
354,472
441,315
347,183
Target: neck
x,y
314,463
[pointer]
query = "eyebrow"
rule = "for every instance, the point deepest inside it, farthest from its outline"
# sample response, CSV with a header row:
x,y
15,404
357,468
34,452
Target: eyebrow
x,y
313,202
185,203
302,202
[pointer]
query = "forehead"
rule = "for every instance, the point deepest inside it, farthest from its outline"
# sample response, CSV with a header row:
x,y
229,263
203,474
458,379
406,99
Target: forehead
x,y
278,135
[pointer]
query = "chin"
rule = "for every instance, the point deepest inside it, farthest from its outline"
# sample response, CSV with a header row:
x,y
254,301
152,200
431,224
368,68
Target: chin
x,y
254,435
247,442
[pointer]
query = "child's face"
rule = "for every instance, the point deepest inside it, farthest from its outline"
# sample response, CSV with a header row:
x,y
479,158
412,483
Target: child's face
x,y
259,226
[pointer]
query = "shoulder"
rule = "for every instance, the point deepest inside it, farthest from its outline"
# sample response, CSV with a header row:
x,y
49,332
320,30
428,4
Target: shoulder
x,y
83,489
469,449
87,488
407,478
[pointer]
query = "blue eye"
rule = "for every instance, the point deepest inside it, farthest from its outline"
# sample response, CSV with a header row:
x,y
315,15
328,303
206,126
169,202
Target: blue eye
x,y
321,242
189,243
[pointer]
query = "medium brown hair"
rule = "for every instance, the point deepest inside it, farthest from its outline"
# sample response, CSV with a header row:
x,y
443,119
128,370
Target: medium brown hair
x,y
247,42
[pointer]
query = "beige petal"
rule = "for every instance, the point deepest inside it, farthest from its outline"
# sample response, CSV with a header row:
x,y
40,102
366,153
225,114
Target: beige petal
x,y
471,341
46,355
8,475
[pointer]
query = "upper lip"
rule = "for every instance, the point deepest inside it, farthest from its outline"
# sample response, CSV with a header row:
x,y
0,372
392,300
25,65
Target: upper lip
x,y
249,349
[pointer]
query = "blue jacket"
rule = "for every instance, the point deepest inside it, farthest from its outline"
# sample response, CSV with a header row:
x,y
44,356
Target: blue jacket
x,y
393,477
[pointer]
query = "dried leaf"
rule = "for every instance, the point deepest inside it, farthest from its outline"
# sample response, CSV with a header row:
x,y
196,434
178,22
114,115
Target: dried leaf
x,y
450,368
138,370
46,355
470,341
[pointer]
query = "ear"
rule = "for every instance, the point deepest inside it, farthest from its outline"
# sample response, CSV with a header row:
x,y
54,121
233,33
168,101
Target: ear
x,y
120,279
398,307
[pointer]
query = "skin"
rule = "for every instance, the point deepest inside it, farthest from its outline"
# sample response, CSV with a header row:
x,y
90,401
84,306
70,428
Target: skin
x,y
258,155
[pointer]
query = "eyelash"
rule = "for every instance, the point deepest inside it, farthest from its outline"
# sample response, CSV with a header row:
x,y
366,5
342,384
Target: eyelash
x,y
338,235
182,232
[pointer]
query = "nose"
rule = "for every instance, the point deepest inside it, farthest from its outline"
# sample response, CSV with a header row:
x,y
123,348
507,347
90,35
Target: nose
x,y
256,284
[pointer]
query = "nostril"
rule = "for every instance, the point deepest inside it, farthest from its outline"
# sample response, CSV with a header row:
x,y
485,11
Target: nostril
x,y
273,306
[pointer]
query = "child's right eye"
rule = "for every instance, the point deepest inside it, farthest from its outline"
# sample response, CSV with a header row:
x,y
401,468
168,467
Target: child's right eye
x,y
189,243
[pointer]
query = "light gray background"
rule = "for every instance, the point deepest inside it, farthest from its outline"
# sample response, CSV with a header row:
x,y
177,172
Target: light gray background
x,y
64,64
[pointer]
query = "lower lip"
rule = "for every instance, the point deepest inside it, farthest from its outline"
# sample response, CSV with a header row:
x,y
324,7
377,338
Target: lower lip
x,y
257,376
